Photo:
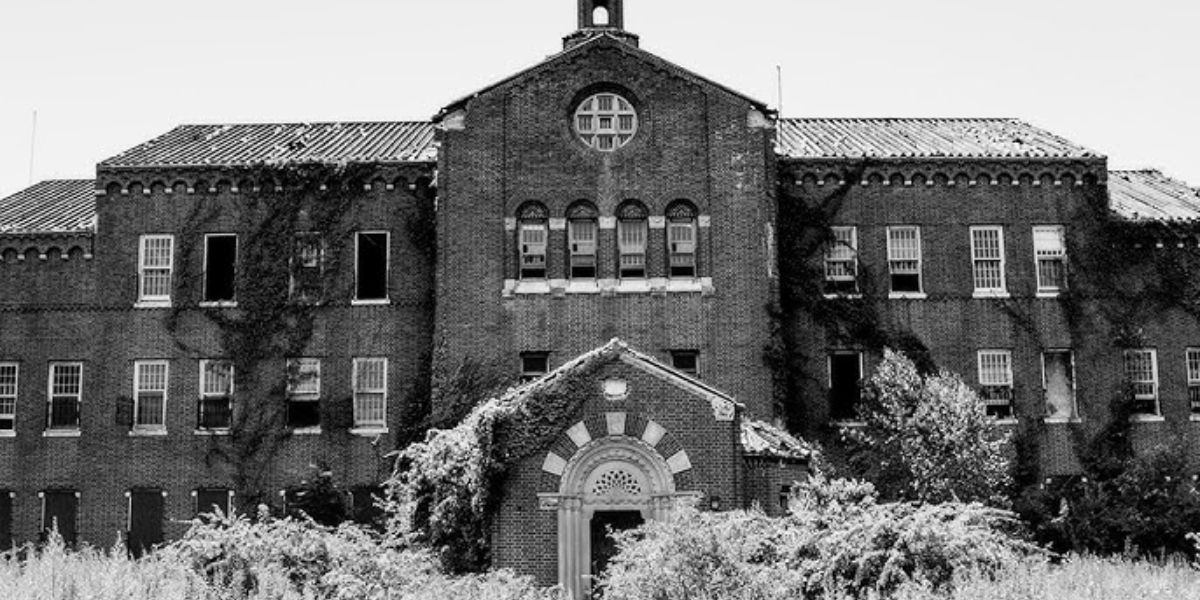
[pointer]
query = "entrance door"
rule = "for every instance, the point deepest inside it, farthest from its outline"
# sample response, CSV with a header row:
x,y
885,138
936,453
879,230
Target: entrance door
x,y
603,546
145,520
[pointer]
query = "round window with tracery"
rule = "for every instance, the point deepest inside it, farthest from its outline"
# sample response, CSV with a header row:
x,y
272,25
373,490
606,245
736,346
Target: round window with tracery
x,y
606,122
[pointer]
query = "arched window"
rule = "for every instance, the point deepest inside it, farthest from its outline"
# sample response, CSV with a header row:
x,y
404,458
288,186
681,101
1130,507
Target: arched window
x,y
532,221
632,231
681,239
582,235
600,16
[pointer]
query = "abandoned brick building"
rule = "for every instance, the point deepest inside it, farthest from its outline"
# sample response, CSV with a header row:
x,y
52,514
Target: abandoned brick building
x,y
224,305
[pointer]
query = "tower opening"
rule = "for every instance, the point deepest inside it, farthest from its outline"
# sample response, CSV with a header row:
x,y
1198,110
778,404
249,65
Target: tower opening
x,y
600,17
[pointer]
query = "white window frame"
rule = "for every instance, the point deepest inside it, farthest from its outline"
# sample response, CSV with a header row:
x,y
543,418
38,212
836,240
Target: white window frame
x,y
206,394
525,253
1192,360
589,116
159,428
61,431
298,366
842,250
387,267
1074,416
894,257
146,300
237,250
1041,253
978,261
8,397
1005,381
693,231
625,249
577,248
361,424
1154,395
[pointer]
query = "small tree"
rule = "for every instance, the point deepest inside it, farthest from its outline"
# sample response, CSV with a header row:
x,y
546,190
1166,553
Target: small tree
x,y
929,438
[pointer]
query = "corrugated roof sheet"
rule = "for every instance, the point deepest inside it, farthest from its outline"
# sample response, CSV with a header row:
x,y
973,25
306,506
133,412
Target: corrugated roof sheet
x,y
1151,196
760,438
56,206
273,143
921,138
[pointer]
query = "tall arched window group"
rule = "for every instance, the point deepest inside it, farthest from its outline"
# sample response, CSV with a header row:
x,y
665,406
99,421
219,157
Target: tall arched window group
x,y
583,240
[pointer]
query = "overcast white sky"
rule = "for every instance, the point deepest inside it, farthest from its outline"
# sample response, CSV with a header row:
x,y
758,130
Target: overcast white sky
x,y
1120,77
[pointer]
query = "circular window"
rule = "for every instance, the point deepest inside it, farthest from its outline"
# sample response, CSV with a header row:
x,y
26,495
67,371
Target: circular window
x,y
605,122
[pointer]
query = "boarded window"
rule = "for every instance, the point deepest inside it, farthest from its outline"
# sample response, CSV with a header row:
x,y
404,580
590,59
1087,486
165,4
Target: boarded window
x,y
220,266
145,520
904,258
845,381
60,508
371,272
1059,381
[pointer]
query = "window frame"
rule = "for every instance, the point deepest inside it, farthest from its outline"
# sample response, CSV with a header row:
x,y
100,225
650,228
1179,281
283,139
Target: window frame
x,y
51,427
155,300
528,374
229,495
1192,365
1138,398
616,135
1038,256
977,261
893,258
206,395
295,287
387,267
232,300
1074,416
541,226
9,399
574,256
150,428
834,284
44,527
686,353
1002,387
682,216
362,425
295,369
829,357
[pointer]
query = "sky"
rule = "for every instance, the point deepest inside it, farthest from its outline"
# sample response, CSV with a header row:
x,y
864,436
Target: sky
x,y
1119,77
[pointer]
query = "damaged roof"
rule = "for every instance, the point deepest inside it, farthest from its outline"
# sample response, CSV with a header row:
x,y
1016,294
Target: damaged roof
x,y
55,206
1148,195
763,439
275,143
921,138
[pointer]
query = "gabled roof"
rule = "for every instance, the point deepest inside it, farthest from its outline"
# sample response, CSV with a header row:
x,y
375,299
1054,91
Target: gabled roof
x,y
607,39
921,138
1151,196
55,206
275,143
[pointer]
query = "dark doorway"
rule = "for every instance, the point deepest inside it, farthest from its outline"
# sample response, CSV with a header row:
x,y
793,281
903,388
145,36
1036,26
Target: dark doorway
x,y
145,520
603,546
60,509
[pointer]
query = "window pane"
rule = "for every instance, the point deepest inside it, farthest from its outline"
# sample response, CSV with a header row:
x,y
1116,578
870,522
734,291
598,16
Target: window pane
x,y
151,393
1060,385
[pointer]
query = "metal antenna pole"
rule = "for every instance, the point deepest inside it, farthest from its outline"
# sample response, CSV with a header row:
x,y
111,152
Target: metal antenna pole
x,y
32,146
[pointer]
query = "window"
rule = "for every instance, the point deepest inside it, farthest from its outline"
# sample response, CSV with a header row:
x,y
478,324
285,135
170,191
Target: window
x,y
1058,381
987,256
1141,370
145,521
1193,375
8,397
211,500
304,393
605,122
904,259
582,234
996,382
534,234
687,361
534,365
6,518
150,395
1050,252
632,231
308,268
155,261
214,410
370,393
681,239
371,266
60,509
220,266
845,385
65,395
841,261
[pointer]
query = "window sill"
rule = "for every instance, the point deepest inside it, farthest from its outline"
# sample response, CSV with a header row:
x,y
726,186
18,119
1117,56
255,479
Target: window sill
x,y
849,424
1006,421
583,286
148,433
152,304
854,296
369,431
219,304
907,296
1061,420
989,294
1048,294
370,302
7,433
211,432
61,433
306,431
1147,419
531,286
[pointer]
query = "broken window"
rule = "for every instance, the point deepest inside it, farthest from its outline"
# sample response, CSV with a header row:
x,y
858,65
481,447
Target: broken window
x,y
904,258
996,382
841,261
534,365
1058,380
214,410
308,268
687,361
304,393
211,500
220,266
533,232
845,383
632,231
1050,251
371,272
582,236
681,239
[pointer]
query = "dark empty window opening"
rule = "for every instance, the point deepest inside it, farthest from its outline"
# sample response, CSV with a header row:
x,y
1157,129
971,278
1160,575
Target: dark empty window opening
x,y
6,514
220,267
60,508
687,361
212,500
372,266
534,365
845,380
304,393
145,521
364,508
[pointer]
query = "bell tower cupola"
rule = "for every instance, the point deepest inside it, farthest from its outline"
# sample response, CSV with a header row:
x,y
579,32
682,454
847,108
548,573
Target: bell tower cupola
x,y
600,17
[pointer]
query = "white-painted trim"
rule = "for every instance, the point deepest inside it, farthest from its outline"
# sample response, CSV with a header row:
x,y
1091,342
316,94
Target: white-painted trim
x,y
907,296
608,222
656,222
723,407
61,433
558,224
